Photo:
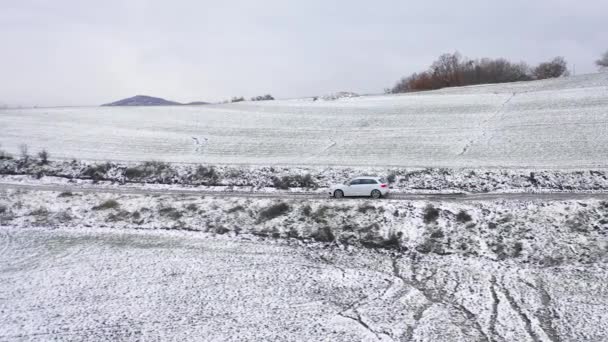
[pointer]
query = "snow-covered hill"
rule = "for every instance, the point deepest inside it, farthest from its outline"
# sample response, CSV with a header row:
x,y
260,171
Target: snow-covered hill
x,y
560,123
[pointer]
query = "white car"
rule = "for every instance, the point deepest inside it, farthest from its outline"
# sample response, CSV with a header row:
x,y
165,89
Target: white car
x,y
374,187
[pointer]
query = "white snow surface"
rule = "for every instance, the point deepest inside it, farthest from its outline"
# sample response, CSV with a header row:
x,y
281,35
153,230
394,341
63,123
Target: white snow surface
x,y
560,123
100,285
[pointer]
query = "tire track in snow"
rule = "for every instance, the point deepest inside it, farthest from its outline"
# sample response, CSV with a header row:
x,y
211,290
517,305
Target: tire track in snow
x,y
484,125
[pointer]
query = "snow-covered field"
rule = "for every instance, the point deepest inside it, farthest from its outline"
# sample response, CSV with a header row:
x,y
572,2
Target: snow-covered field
x,y
100,285
559,123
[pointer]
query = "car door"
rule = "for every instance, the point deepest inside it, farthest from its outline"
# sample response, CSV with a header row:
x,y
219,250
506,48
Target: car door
x,y
354,188
366,190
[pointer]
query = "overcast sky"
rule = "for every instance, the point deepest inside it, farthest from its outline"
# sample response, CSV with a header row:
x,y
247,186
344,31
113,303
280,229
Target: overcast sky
x,y
73,52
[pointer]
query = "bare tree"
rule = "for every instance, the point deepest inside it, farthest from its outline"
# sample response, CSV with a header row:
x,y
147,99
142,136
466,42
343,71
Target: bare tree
x,y
602,63
44,157
555,68
23,151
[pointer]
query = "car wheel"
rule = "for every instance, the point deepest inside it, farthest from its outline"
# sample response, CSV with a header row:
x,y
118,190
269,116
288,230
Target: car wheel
x,y
338,194
376,194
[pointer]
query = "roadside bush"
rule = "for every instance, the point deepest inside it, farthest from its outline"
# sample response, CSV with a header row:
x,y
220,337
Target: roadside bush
x,y
148,169
431,214
273,211
97,172
3,209
463,217
391,178
207,173
296,181
65,194
109,204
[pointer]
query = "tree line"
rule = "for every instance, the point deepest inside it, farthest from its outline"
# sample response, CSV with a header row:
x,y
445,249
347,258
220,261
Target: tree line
x,y
453,70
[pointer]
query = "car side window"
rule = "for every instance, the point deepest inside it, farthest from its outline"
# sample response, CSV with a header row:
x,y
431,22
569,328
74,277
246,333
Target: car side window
x,y
355,182
368,181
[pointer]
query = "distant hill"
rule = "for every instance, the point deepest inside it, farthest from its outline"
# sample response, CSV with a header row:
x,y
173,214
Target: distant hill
x,y
143,100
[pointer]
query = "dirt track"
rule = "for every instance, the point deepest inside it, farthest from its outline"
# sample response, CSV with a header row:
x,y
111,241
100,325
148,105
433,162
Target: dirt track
x,y
452,197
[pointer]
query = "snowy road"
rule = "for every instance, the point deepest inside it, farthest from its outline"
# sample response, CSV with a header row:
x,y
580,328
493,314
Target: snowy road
x,y
107,285
450,197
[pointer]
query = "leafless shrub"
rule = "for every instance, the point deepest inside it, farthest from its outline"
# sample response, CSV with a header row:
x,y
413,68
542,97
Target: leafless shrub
x,y
170,212
43,157
109,204
273,211
65,194
24,153
237,208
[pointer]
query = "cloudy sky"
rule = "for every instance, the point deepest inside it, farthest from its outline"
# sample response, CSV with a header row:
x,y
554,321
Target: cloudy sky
x,y
73,52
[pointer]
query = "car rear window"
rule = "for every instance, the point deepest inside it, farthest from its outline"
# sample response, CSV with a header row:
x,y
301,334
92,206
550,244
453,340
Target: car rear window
x,y
370,181
382,180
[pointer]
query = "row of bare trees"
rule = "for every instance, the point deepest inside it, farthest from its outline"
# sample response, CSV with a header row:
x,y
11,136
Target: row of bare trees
x,y
453,70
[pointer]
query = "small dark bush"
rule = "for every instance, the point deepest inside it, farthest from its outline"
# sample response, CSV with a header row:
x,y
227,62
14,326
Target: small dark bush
x,y
65,194
273,211
147,169
280,183
296,181
518,247
236,209
237,99
170,212
3,209
463,217
44,157
208,173
221,230
109,204
192,207
133,172
365,208
438,234
431,214
324,235
266,97
306,210
121,215
97,172
391,178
